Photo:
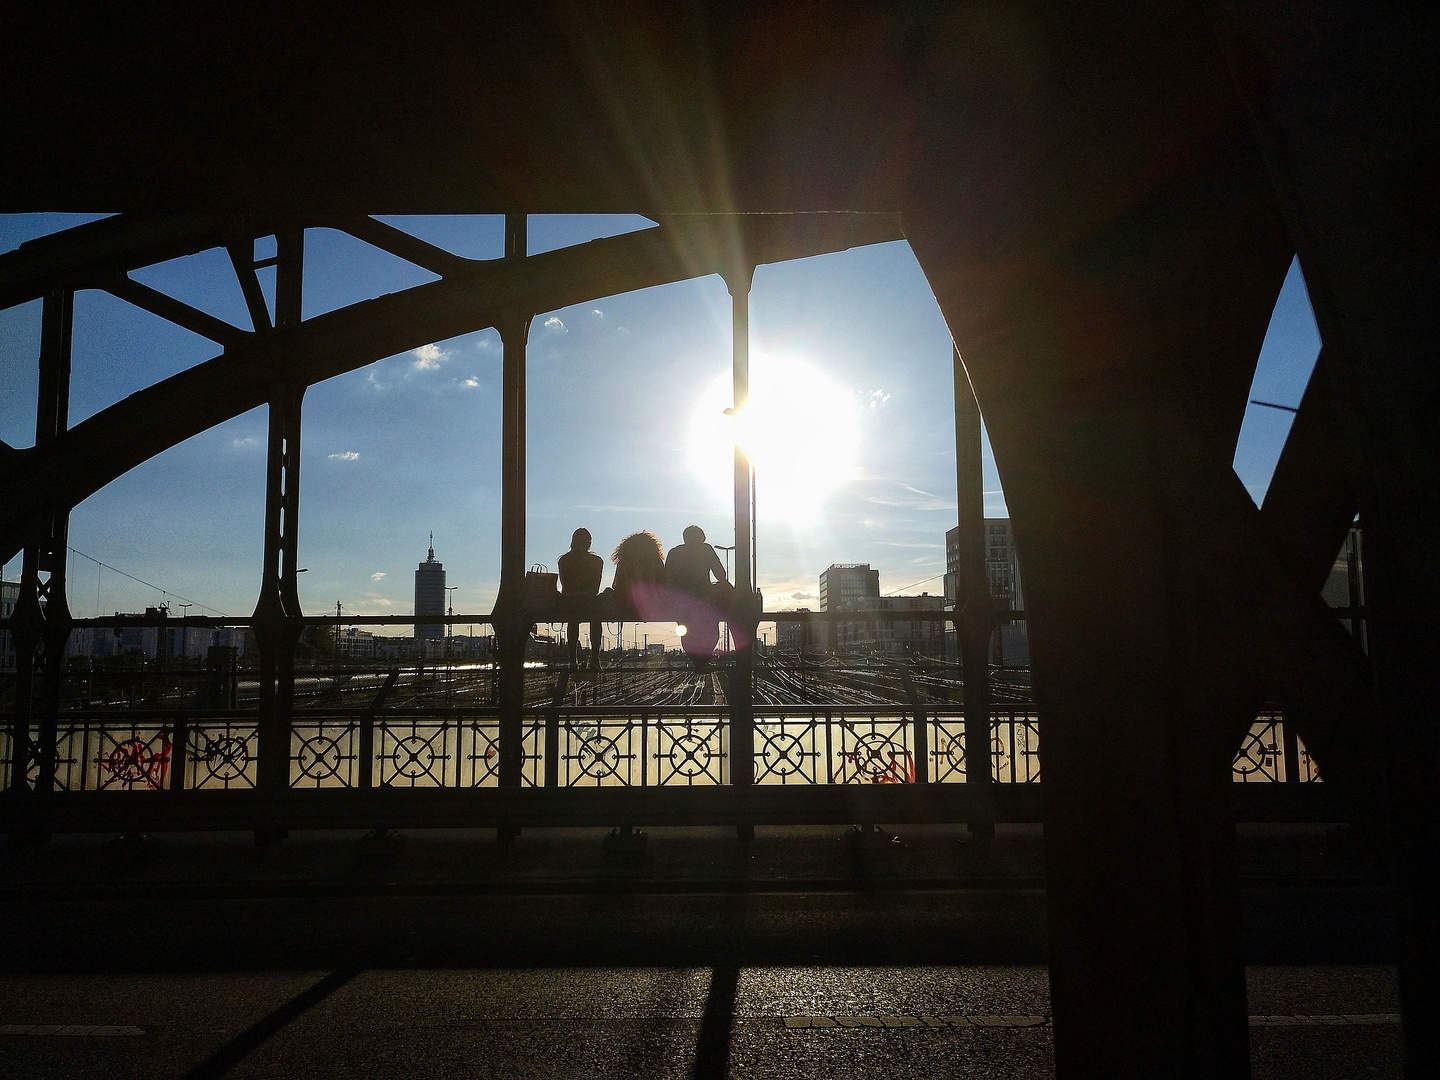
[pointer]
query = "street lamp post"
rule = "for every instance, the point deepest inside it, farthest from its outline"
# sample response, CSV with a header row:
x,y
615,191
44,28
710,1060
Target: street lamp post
x,y
184,632
449,640
727,551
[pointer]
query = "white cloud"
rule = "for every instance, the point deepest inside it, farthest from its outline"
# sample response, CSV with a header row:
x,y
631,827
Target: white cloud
x,y
377,575
472,381
428,357
241,444
347,455
914,500
597,311
554,323
878,398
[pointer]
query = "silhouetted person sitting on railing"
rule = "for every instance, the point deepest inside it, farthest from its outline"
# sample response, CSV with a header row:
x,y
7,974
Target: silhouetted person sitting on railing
x,y
639,586
700,603
580,573
690,565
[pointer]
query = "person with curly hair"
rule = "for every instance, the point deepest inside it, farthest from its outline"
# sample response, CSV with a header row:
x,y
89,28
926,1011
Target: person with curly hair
x,y
639,578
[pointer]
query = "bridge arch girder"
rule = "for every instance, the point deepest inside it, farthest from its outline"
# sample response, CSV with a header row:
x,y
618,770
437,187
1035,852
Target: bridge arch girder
x,y
474,296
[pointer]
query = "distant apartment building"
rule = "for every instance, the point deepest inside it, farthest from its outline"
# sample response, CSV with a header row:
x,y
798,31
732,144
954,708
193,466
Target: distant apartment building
x,y
153,642
1345,587
1011,643
393,648
855,588
429,598
353,644
9,597
910,636
794,636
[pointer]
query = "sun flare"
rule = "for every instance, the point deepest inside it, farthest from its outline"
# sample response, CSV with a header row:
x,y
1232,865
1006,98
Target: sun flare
x,y
802,433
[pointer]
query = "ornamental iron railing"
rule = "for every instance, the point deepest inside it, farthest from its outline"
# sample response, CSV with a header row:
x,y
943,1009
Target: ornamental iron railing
x,y
572,747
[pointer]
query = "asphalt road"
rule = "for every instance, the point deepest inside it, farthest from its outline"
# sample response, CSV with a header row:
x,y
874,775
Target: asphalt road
x,y
623,1022
814,953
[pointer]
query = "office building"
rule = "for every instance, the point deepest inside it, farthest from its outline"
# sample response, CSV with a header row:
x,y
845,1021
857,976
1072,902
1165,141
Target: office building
x,y
843,585
429,597
1011,642
1002,564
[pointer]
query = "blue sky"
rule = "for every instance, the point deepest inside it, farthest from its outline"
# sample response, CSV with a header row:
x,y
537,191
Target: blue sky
x,y
624,424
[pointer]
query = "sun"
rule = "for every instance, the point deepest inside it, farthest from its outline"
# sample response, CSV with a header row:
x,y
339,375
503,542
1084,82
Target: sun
x,y
802,433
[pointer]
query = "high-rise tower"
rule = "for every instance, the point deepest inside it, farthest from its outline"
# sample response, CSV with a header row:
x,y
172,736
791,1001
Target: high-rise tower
x,y
430,595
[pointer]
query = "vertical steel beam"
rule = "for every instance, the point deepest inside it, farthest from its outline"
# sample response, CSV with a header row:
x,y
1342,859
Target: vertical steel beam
x,y
511,628
41,620
974,608
742,717
277,620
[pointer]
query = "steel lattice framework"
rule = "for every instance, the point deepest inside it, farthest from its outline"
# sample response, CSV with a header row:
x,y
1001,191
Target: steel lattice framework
x,y
1105,200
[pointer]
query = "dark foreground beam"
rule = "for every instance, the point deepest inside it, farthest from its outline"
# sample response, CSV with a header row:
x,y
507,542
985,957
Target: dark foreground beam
x,y
439,808
91,253
1111,361
1311,501
1346,104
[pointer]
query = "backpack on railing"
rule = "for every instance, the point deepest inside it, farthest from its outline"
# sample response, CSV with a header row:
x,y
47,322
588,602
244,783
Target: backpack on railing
x,y
540,595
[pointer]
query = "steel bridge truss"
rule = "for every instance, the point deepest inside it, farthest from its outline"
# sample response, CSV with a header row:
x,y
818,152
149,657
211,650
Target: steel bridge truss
x,y
507,764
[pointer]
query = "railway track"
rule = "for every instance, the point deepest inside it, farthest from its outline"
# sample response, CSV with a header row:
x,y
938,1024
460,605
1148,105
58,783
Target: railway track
x,y
788,682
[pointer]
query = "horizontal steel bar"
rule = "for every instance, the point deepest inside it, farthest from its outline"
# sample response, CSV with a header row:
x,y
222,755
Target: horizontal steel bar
x,y
546,620
400,808
213,621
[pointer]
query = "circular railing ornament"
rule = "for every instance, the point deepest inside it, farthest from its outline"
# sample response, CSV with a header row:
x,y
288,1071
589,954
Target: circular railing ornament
x,y
319,757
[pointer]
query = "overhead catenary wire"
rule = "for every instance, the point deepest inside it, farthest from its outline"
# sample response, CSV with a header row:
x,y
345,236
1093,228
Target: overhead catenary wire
x,y
922,581
147,584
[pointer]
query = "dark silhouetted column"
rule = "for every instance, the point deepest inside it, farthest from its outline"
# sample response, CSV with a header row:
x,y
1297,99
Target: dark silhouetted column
x,y
278,617
1347,108
742,718
1110,340
41,620
974,608
511,626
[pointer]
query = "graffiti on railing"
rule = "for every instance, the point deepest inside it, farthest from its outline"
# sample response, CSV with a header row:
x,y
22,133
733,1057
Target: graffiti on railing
x,y
222,755
133,762
875,759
